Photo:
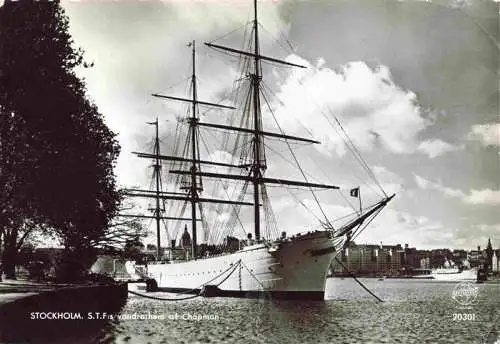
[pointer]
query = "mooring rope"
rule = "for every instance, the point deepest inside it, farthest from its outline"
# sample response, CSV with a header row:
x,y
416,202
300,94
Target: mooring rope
x,y
253,275
213,279
161,298
359,282
233,267
229,275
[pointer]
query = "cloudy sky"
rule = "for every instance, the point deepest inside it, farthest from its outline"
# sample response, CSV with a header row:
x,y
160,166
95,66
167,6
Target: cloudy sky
x,y
414,83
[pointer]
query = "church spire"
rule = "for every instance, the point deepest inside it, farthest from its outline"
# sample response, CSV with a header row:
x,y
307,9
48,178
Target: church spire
x,y
489,255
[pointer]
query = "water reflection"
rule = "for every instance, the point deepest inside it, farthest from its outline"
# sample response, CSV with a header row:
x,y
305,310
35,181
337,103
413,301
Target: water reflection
x,y
413,312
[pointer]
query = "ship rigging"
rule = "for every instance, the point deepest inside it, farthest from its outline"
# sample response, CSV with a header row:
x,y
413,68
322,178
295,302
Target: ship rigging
x,y
268,256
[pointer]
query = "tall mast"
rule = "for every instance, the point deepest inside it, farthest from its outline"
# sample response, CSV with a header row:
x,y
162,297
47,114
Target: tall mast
x,y
256,38
194,148
256,164
157,171
194,172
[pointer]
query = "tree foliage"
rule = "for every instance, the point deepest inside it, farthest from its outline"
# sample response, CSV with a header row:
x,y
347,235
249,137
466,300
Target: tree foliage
x,y
57,155
123,229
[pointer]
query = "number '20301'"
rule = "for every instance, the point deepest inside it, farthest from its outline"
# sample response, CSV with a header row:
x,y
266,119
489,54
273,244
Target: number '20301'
x,y
464,316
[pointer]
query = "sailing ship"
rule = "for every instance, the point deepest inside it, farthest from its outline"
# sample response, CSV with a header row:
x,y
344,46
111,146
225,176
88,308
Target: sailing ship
x,y
282,266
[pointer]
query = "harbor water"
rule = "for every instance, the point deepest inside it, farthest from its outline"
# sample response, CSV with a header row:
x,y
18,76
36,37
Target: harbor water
x,y
413,311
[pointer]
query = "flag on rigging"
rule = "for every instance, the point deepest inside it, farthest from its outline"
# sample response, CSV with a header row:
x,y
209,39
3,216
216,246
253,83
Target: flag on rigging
x,y
355,192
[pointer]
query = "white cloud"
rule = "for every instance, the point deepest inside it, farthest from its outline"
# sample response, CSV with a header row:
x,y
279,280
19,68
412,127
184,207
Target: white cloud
x,y
390,181
393,227
374,110
487,134
485,196
436,147
428,185
386,176
421,182
452,192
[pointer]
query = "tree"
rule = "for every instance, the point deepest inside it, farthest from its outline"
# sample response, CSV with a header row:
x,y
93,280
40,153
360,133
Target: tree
x,y
16,153
57,154
122,229
133,248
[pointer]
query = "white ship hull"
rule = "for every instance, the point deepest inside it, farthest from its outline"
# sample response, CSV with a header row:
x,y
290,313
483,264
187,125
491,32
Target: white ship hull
x,y
454,275
295,268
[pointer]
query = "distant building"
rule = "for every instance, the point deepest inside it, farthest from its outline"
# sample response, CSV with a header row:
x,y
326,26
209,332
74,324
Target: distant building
x,y
495,260
459,256
439,257
370,259
186,238
392,260
421,260
476,258
411,258
425,263
489,256
47,258
231,244
47,254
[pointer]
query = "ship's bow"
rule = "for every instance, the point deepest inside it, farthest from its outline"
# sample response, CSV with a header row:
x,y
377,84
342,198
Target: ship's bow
x,y
304,262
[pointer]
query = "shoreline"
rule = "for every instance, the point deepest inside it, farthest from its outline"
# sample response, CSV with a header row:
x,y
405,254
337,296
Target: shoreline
x,y
44,312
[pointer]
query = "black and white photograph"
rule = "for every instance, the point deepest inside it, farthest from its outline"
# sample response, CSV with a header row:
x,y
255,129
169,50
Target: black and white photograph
x,y
250,171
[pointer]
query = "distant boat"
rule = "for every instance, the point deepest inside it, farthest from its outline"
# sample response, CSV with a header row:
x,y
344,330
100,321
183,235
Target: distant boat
x,y
422,274
451,272
454,274
425,277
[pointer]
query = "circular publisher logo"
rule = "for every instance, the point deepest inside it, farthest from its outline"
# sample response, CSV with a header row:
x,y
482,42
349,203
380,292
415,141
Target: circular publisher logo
x,y
465,293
